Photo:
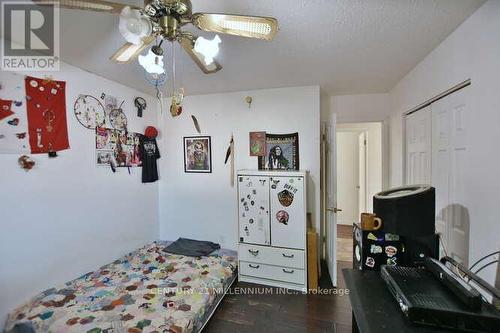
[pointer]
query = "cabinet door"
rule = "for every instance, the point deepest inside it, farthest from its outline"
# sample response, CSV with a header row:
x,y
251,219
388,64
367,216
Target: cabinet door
x,y
253,210
287,212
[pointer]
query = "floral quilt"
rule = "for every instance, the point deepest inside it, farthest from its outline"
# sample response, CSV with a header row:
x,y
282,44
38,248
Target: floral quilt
x,y
146,291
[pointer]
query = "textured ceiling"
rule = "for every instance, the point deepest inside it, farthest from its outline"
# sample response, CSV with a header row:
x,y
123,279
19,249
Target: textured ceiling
x,y
345,46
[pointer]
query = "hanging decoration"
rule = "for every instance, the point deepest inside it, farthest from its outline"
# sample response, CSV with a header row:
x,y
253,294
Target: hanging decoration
x,y
282,152
176,105
157,80
140,104
26,163
46,110
118,119
249,100
12,105
110,103
196,124
230,154
177,96
13,122
5,109
229,150
89,111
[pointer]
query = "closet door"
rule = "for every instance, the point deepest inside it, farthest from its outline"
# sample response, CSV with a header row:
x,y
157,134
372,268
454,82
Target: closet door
x,y
288,212
449,158
418,147
253,210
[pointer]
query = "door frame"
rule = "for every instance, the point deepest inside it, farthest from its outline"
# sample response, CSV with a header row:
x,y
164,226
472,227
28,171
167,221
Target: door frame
x,y
329,236
361,128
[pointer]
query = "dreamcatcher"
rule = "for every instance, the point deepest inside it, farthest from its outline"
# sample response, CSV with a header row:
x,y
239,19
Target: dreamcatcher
x,y
89,111
118,119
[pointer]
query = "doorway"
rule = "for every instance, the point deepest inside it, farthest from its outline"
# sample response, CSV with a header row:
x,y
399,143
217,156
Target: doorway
x,y
359,177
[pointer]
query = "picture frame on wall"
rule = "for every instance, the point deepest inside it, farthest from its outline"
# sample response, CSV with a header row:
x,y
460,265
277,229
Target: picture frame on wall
x,y
282,152
197,154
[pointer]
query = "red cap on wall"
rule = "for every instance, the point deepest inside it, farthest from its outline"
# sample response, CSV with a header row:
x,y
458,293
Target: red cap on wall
x,y
151,132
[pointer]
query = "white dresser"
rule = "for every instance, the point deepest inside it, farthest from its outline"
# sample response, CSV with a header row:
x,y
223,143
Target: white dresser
x,y
272,228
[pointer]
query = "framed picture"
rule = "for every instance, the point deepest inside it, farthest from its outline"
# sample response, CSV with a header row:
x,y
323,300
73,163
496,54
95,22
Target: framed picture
x,y
197,154
257,143
282,152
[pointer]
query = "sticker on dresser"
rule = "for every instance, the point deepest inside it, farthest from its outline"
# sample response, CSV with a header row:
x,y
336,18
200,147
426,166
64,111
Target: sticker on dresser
x,y
253,193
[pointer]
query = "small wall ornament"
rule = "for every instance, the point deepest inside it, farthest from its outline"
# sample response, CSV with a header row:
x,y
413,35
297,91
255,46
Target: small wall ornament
x,y
249,101
140,104
26,163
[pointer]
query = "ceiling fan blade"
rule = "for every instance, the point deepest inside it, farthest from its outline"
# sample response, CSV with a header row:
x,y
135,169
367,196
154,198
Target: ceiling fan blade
x,y
129,51
187,44
238,25
91,5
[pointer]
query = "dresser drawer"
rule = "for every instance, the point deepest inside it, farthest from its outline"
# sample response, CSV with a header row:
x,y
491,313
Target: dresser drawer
x,y
272,255
278,273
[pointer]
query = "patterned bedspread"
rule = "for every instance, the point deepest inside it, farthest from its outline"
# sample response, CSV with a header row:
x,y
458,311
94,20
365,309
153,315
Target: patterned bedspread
x,y
146,291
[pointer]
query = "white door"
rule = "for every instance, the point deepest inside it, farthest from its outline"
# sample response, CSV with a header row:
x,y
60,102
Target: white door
x,y
418,147
362,173
253,210
348,188
449,157
331,200
287,212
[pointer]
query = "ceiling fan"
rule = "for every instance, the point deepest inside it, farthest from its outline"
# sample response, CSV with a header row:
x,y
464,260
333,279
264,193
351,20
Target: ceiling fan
x,y
164,20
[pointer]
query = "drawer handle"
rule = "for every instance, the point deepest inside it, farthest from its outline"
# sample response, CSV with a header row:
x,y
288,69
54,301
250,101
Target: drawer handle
x,y
254,252
288,271
288,256
254,266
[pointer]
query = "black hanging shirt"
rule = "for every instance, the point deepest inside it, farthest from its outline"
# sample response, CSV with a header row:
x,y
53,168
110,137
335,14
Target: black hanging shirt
x,y
149,153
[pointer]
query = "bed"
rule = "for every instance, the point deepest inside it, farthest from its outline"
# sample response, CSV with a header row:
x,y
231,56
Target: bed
x,y
148,290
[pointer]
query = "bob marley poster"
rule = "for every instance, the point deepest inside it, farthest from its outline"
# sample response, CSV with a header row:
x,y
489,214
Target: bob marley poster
x,y
197,154
282,152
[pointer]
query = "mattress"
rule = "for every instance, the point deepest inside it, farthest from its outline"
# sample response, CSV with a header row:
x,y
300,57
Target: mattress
x,y
145,291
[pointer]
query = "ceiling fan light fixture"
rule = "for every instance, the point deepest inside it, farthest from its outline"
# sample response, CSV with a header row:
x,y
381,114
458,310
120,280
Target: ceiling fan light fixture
x,y
152,62
208,48
133,26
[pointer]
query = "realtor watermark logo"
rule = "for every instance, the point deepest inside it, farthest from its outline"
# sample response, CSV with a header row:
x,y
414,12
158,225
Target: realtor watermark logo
x,y
30,36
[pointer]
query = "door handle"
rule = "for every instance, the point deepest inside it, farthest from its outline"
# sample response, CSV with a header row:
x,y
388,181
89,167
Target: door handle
x,y
334,210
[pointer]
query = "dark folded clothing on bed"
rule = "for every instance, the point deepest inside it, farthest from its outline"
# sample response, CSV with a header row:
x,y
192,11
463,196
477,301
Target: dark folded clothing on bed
x,y
191,247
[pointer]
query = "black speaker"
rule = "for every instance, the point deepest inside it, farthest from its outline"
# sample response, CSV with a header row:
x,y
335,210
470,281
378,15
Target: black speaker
x,y
417,248
374,248
407,210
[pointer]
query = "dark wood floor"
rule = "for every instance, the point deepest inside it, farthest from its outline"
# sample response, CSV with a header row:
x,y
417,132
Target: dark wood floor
x,y
289,313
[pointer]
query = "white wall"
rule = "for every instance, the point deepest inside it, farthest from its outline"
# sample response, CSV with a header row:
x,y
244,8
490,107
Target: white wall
x,y
360,108
472,51
347,176
204,206
374,165
67,217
